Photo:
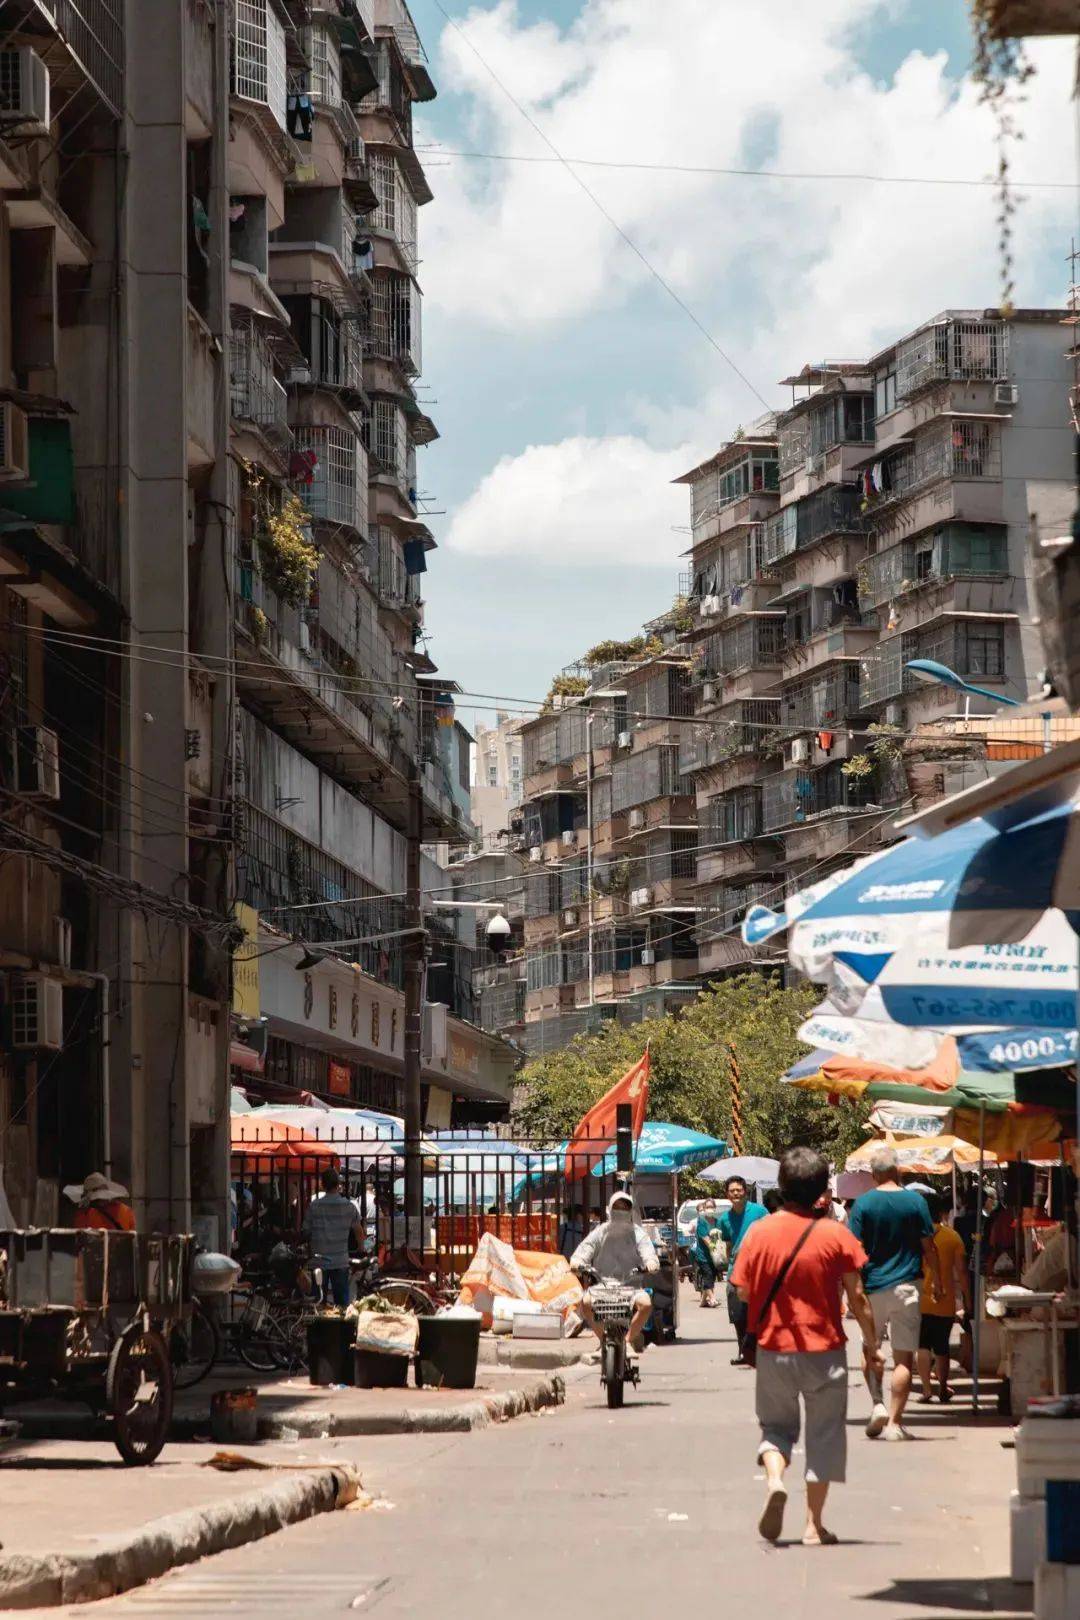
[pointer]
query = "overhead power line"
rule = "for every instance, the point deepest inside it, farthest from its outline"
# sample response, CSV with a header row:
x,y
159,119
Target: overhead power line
x,y
597,204
845,176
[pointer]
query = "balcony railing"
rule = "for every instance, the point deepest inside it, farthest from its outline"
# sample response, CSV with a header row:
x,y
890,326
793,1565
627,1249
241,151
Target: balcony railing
x,y
259,57
819,705
975,649
651,774
734,817
724,909
791,797
952,351
93,31
256,395
746,728
960,449
948,553
393,329
755,474
755,644
337,492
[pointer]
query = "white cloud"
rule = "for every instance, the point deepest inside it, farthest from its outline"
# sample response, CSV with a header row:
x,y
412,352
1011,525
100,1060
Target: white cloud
x,y
781,271
516,244
584,501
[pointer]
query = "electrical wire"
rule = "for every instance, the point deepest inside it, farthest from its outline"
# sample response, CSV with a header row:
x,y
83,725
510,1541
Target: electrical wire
x,y
987,183
598,205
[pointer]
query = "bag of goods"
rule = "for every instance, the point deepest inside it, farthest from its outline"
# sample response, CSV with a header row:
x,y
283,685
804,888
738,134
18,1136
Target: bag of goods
x,y
388,1329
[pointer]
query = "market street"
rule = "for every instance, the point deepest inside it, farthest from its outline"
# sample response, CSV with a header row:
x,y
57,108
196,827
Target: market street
x,y
645,1510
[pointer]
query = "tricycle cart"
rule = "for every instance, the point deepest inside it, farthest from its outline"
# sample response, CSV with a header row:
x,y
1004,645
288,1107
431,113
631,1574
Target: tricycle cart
x,y
86,1316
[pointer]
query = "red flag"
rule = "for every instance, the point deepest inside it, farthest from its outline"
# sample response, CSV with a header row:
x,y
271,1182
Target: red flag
x,y
595,1133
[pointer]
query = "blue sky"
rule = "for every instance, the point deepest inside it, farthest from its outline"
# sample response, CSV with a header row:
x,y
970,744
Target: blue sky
x,y
555,363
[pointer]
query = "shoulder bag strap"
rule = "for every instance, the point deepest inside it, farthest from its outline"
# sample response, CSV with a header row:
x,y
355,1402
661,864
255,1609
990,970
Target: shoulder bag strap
x,y
780,1278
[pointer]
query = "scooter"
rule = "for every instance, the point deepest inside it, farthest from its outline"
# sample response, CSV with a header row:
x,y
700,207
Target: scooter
x,y
613,1308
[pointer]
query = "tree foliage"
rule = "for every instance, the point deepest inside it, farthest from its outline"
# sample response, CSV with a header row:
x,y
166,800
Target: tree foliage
x,y
691,1072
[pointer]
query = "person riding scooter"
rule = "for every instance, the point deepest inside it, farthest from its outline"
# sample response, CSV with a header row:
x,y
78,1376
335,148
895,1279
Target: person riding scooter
x,y
616,1251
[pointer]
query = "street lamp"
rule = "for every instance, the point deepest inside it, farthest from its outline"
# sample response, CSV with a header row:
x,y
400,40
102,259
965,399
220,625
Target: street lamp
x,y
928,669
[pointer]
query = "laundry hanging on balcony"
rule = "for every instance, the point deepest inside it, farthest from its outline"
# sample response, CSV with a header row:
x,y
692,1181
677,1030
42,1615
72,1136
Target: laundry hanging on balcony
x,y
414,553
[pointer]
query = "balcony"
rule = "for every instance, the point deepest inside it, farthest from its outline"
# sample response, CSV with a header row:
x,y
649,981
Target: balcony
x,y
951,552
964,454
835,510
792,797
256,395
395,217
973,648
338,491
823,703
259,71
953,350
393,328
743,728
93,32
756,644
642,777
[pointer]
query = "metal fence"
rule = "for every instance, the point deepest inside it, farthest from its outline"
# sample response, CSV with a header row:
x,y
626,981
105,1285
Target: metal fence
x,y
526,1190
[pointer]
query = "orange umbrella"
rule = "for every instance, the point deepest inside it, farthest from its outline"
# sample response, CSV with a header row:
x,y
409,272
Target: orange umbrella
x,y
270,1139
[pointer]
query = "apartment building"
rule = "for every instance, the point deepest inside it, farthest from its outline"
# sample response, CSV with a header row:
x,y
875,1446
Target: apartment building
x,y
498,781
882,518
340,702
211,603
609,827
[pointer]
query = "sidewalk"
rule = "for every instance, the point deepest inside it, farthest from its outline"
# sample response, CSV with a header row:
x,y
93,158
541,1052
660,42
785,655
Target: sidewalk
x,y
76,1524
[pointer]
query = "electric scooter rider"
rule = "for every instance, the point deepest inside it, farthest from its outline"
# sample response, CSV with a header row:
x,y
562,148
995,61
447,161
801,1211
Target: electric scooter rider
x,y
617,1251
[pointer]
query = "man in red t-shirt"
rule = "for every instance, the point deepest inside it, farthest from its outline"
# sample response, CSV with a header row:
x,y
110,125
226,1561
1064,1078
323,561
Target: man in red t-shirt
x,y
802,1351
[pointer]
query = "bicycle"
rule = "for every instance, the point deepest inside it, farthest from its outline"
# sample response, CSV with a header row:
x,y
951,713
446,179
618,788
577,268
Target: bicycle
x,y
194,1346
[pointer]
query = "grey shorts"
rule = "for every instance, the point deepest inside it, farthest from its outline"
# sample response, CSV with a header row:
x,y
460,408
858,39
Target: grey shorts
x,y
820,1378
899,1310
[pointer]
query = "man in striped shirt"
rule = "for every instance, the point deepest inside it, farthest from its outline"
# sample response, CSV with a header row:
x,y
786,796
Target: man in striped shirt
x,y
327,1225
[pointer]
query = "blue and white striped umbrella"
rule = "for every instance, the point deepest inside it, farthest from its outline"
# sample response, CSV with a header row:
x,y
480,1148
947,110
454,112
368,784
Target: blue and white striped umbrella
x,y
982,1051
975,929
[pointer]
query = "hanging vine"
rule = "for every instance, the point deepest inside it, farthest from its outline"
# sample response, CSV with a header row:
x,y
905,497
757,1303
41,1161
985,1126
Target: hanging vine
x,y
1000,69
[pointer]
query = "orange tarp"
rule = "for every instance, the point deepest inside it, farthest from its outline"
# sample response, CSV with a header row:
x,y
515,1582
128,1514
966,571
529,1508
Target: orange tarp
x,y
496,1270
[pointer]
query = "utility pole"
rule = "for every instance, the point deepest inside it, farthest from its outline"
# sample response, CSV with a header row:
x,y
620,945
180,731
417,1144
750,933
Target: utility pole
x,y
736,1102
415,956
589,857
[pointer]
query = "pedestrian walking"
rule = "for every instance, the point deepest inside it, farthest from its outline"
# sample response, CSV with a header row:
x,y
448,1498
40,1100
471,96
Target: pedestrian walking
x,y
706,1235
939,1314
734,1225
893,1225
327,1223
790,1273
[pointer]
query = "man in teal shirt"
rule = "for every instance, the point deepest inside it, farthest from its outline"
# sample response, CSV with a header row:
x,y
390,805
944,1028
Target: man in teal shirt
x,y
894,1226
734,1225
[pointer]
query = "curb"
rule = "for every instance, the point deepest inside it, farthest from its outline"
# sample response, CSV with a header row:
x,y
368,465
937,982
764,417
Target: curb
x,y
29,1580
534,1356
325,1423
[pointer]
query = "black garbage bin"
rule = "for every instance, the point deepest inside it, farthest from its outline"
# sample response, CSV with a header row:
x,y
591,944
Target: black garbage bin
x,y
378,1369
447,1351
329,1348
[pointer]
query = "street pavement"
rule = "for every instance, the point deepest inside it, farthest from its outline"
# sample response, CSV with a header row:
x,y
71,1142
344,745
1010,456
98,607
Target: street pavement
x,y
650,1510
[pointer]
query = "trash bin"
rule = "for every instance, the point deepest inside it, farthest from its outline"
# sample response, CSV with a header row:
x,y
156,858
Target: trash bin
x,y
447,1351
378,1369
329,1348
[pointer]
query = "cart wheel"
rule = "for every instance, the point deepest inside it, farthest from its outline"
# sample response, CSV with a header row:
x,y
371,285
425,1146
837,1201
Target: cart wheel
x,y
139,1390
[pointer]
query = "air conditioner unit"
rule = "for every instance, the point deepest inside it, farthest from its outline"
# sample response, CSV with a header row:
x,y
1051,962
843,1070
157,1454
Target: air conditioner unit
x,y
648,957
640,897
1006,393
24,91
62,941
636,819
895,714
623,740
569,838
708,692
569,919
14,443
38,762
37,1012
799,750
536,853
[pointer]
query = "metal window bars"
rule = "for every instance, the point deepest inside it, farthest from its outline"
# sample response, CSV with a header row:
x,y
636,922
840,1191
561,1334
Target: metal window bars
x,y
956,449
723,909
821,703
745,727
793,440
325,58
259,70
389,441
93,32
338,490
653,773
397,212
956,350
256,394
393,324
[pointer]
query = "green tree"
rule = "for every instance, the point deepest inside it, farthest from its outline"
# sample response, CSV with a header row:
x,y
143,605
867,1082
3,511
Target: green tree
x,y
751,1014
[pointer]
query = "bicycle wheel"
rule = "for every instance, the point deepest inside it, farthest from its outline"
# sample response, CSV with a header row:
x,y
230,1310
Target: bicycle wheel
x,y
194,1346
255,1337
289,1343
407,1296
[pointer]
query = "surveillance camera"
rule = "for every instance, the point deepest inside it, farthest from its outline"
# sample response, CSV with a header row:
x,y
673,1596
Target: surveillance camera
x,y
498,935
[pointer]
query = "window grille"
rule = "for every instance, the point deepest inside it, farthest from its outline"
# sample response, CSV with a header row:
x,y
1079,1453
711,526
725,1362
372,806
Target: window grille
x,y
953,350
256,394
259,72
338,491
325,60
93,31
